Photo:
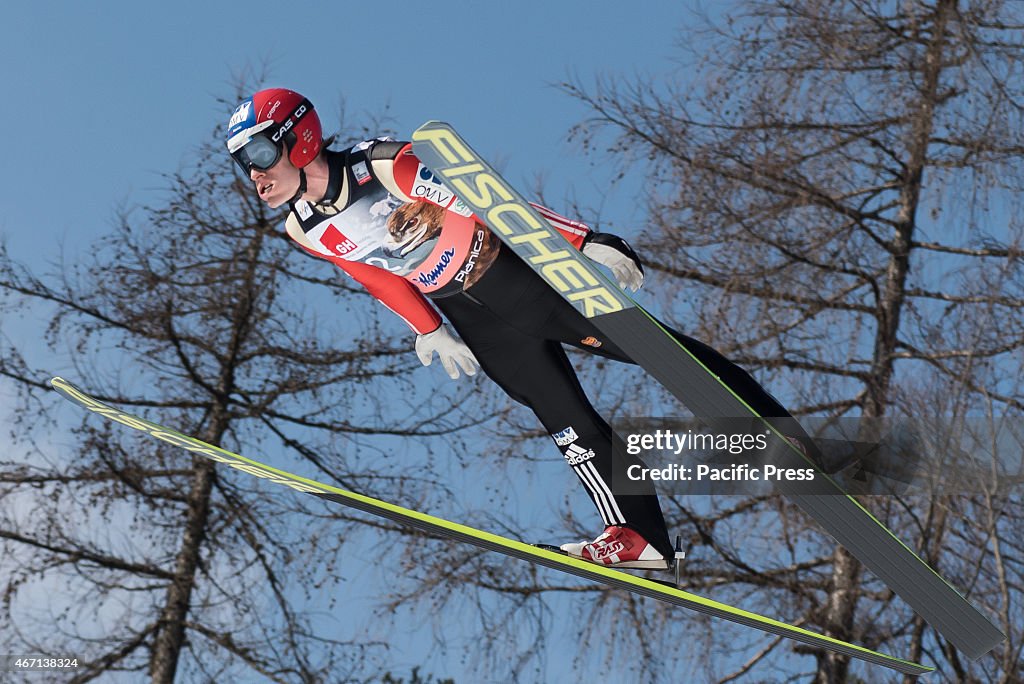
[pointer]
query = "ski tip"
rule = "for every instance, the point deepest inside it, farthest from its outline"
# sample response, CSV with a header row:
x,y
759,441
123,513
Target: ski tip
x,y
432,123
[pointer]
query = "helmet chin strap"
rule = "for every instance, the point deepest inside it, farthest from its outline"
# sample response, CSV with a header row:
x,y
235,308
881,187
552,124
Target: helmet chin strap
x,y
302,187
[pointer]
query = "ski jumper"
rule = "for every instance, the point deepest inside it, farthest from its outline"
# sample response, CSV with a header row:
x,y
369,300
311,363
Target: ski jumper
x,y
395,228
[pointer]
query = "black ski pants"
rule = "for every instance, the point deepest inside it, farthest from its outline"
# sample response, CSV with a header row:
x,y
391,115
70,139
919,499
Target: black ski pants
x,y
516,324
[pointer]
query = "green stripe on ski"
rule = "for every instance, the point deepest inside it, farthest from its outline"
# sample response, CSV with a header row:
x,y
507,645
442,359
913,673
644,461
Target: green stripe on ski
x,y
489,540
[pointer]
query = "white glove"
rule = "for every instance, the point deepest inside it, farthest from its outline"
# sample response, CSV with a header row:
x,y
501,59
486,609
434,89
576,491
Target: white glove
x,y
452,351
621,260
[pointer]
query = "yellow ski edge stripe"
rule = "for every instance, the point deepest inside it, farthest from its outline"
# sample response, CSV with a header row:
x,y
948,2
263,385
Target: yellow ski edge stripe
x,y
302,484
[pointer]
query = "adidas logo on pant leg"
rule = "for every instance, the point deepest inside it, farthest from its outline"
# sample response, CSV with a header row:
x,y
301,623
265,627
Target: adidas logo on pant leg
x,y
575,455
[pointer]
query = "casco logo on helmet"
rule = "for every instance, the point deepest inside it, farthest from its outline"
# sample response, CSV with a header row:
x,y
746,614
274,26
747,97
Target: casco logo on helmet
x,y
287,125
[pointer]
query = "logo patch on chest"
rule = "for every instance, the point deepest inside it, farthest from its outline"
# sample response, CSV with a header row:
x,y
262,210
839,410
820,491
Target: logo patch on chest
x,y
336,241
361,173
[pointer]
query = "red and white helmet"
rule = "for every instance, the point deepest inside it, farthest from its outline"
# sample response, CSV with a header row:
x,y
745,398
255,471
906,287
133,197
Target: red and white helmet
x,y
269,122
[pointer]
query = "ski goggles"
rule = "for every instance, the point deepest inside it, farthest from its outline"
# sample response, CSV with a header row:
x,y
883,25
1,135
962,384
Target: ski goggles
x,y
259,153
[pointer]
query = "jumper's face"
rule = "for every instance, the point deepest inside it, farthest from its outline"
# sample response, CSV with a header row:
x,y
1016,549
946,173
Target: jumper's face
x,y
278,184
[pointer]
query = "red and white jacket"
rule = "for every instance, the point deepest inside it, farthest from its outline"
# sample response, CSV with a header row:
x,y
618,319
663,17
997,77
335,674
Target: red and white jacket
x,y
388,222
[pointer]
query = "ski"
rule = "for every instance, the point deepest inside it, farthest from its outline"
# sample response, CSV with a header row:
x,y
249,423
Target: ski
x,y
482,539
637,333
